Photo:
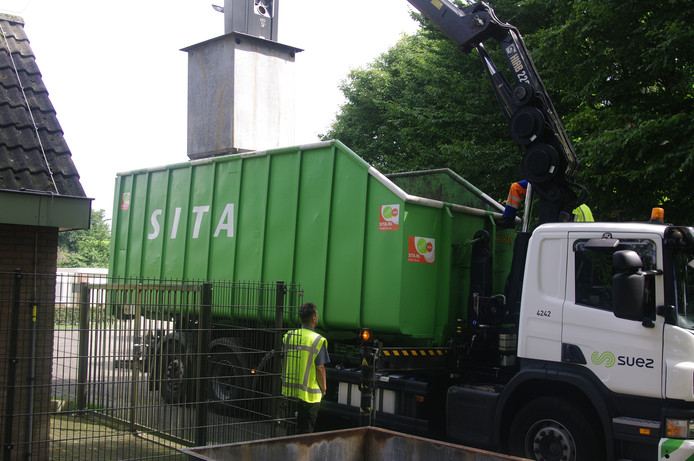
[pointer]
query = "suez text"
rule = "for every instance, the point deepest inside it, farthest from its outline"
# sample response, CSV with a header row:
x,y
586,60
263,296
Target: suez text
x,y
608,360
608,357
634,362
225,224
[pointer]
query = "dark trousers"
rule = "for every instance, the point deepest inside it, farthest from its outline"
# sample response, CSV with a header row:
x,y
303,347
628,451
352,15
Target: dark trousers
x,y
306,416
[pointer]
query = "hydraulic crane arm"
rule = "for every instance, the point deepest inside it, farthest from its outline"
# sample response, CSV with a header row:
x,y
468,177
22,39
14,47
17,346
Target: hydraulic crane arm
x,y
549,162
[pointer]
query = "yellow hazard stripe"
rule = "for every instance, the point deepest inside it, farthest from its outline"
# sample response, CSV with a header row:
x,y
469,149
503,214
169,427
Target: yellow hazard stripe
x,y
414,352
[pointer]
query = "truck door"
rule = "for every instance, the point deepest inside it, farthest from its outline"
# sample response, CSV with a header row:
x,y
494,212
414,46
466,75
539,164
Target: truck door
x,y
623,354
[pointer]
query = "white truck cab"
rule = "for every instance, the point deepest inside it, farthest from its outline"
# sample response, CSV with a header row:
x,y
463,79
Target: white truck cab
x,y
613,303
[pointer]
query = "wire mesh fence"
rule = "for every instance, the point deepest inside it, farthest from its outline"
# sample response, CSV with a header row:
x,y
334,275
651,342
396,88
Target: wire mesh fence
x,y
135,369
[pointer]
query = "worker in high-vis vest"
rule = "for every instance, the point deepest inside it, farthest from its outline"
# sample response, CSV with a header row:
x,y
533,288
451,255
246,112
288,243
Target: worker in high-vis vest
x,y
516,195
305,356
583,214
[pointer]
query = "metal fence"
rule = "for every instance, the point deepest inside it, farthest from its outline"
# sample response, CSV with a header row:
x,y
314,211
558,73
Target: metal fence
x,y
135,369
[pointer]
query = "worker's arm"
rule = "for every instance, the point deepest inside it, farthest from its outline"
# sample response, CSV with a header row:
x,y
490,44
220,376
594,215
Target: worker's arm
x,y
320,376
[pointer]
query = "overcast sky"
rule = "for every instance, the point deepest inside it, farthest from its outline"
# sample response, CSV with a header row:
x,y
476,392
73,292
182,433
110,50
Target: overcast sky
x,y
118,80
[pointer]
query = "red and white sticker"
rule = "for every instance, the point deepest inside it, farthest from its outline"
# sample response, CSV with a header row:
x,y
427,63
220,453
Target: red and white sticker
x,y
125,201
389,218
421,250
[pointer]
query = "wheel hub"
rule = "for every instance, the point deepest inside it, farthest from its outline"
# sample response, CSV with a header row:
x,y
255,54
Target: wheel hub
x,y
175,373
549,440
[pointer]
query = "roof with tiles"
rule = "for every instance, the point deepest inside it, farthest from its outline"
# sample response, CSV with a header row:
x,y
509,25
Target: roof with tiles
x,y
34,156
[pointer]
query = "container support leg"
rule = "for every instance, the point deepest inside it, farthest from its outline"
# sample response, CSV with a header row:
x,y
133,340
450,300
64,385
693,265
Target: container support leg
x,y
369,353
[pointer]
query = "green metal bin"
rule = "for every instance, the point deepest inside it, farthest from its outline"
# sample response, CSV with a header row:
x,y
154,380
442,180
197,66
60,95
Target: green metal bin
x,y
365,250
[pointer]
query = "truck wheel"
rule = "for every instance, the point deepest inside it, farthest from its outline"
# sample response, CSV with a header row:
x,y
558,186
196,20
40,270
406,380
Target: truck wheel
x,y
266,384
551,429
175,368
228,375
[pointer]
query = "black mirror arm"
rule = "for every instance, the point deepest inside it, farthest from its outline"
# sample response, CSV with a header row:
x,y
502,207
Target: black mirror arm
x,y
668,312
647,322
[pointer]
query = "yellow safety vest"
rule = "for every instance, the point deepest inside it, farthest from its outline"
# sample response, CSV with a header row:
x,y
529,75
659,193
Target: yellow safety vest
x,y
300,350
583,214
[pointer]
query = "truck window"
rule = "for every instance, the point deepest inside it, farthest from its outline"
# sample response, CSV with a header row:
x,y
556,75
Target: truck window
x,y
684,286
594,271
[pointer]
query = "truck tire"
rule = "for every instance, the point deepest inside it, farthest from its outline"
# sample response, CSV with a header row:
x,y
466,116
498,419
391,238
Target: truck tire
x,y
266,384
228,374
552,429
175,369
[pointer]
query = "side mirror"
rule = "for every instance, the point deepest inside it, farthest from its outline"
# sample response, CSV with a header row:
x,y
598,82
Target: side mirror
x,y
628,286
626,261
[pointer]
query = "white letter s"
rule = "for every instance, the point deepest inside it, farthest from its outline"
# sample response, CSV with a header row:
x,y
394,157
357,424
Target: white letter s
x,y
155,225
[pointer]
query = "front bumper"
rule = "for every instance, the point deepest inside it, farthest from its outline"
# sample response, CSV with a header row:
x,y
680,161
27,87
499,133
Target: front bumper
x,y
676,450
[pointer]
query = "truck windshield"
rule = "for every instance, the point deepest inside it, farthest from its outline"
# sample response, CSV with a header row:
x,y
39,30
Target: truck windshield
x,y
684,286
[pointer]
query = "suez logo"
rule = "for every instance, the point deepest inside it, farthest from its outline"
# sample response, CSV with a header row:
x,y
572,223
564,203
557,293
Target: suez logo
x,y
608,359
225,223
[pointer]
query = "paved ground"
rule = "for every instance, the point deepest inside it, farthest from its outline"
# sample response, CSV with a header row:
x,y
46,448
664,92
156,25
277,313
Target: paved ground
x,y
114,389
85,438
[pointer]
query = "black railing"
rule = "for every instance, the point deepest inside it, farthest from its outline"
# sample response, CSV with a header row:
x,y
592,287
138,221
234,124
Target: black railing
x,y
133,369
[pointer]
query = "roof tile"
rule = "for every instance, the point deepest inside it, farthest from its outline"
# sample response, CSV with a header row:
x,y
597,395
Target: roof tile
x,y
26,163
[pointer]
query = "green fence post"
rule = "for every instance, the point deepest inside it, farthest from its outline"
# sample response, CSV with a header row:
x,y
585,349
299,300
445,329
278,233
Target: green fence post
x,y
135,367
280,293
204,327
83,350
8,446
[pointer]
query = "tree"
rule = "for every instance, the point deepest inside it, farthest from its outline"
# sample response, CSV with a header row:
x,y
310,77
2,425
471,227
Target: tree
x,y
424,104
86,248
620,73
627,100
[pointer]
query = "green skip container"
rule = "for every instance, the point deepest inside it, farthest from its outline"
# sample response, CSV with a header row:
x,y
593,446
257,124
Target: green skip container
x,y
392,253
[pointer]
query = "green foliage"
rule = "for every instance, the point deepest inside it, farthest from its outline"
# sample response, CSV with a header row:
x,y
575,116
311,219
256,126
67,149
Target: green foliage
x,y
70,315
422,105
86,248
620,73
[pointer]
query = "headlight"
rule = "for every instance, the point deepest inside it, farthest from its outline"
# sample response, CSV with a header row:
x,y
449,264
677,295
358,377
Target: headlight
x,y
679,428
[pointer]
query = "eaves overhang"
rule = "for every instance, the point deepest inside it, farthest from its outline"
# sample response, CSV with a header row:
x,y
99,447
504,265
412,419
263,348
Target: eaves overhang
x,y
43,209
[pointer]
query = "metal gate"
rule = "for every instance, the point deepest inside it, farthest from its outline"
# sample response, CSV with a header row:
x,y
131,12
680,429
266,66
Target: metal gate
x,y
142,367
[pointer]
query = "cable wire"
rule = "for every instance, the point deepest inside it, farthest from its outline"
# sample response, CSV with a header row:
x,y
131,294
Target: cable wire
x,y
28,106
